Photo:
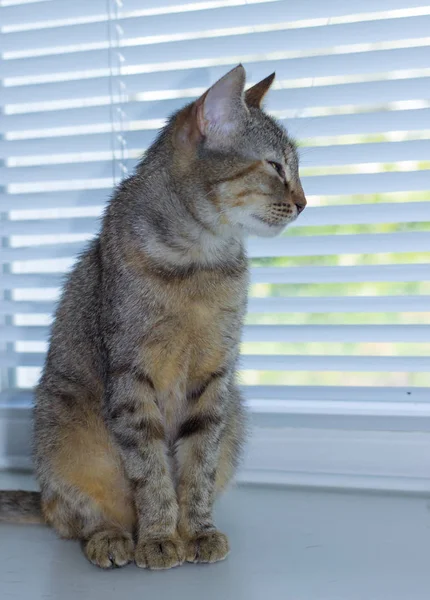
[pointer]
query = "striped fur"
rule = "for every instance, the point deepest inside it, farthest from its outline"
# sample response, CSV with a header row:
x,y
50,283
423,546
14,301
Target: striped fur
x,y
138,421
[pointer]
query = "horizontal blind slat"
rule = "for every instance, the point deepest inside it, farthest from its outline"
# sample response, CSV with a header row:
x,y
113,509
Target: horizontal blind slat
x,y
11,360
53,10
18,307
359,364
355,214
359,123
355,154
98,169
338,304
41,252
10,281
56,91
63,199
374,183
340,244
12,333
52,226
62,172
338,274
20,14
337,333
28,14
83,116
336,393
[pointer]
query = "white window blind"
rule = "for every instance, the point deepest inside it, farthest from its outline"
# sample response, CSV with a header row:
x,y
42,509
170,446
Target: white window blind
x,y
340,304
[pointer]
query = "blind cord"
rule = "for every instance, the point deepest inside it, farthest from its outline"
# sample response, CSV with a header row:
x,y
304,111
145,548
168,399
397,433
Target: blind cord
x,y
118,93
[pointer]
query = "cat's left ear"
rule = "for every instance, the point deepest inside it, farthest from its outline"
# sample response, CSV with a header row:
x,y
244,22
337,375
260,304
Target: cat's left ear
x,y
255,95
221,111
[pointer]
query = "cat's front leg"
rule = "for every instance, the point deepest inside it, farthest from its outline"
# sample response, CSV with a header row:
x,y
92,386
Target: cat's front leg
x,y
136,423
198,451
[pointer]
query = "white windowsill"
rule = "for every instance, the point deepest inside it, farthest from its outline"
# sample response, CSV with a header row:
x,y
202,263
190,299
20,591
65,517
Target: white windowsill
x,y
285,544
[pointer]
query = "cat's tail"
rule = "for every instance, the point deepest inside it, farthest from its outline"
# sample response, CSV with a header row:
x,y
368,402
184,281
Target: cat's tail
x,y
17,506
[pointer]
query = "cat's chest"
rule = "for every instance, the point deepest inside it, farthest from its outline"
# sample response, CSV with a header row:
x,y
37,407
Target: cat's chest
x,y
191,341
194,337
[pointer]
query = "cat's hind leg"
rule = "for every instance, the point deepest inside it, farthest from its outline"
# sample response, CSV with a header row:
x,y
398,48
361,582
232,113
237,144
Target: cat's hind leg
x,y
87,495
105,543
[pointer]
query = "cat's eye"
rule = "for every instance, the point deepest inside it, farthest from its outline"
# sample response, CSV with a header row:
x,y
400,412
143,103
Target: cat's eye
x,y
278,168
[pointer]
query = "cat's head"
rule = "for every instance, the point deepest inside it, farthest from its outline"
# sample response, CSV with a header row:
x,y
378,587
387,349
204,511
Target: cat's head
x,y
243,158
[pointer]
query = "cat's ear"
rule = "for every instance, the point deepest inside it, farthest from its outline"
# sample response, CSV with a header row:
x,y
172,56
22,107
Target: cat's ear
x,y
255,95
221,110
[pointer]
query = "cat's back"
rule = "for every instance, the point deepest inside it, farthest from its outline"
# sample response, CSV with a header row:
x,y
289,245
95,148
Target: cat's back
x,y
75,352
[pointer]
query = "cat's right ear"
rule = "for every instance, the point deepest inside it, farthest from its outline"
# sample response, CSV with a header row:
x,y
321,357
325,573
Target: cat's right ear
x,y
219,113
254,96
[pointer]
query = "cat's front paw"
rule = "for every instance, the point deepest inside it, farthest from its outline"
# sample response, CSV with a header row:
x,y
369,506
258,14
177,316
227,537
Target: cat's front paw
x,y
207,547
159,554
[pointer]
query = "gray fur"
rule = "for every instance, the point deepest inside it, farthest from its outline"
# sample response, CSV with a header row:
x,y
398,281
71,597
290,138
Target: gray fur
x,y
138,419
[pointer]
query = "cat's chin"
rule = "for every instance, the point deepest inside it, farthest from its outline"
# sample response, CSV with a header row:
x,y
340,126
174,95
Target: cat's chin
x,y
262,228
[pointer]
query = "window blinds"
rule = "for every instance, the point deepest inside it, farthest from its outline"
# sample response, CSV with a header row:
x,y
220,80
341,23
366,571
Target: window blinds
x,y
340,304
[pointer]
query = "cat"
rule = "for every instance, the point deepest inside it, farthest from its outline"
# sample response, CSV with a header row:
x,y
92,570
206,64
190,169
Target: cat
x,y
138,422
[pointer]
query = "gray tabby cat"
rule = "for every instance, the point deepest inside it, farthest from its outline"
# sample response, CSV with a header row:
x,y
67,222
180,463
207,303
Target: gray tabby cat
x,y
138,420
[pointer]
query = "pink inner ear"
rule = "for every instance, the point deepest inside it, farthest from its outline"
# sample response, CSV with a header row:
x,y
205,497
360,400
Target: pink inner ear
x,y
221,109
218,105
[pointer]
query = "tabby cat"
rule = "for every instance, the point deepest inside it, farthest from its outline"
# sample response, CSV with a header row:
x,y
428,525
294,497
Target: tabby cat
x,y
139,422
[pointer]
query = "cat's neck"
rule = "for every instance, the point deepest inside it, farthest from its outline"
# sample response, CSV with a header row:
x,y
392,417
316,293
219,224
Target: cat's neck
x,y
190,245
175,225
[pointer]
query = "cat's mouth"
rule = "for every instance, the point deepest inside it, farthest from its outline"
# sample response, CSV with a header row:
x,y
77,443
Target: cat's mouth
x,y
274,223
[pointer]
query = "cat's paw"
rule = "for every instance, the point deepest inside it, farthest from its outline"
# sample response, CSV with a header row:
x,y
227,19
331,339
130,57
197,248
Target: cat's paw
x,y
108,549
208,547
159,554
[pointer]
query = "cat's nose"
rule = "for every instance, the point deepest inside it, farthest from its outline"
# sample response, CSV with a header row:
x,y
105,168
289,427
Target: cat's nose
x,y
300,202
300,207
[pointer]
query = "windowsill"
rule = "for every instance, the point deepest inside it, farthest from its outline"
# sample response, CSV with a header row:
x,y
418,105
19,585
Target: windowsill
x,y
292,544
